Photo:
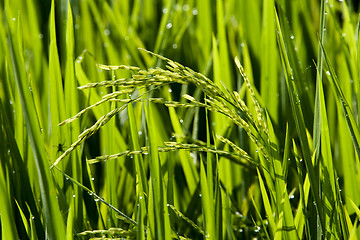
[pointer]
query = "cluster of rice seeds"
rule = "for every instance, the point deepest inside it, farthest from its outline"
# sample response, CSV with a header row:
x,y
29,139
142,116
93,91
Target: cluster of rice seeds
x,y
216,100
244,120
239,157
104,158
242,159
260,118
217,106
182,74
111,233
237,149
89,131
169,103
219,101
188,220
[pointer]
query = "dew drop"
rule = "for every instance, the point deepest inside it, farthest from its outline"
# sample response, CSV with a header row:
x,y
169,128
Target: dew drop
x,y
200,195
107,32
181,121
67,178
40,36
174,46
73,195
97,199
291,196
292,37
328,73
195,12
140,132
169,25
165,11
186,7
92,179
170,90
80,57
32,217
13,19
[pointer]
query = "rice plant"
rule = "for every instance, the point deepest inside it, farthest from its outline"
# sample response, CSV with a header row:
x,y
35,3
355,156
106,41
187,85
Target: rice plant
x,y
179,119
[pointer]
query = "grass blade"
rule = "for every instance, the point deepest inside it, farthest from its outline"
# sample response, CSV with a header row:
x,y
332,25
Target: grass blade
x,y
52,214
207,203
350,119
300,124
8,229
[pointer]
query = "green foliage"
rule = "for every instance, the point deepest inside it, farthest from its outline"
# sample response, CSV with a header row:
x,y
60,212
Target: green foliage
x,y
258,138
